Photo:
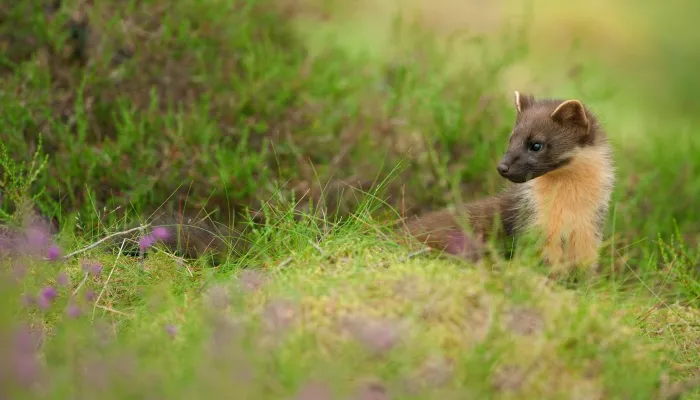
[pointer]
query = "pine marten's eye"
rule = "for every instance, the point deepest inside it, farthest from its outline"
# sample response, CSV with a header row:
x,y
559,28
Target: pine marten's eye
x,y
536,146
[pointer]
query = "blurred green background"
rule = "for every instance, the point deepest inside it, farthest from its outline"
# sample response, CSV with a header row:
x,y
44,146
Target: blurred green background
x,y
137,104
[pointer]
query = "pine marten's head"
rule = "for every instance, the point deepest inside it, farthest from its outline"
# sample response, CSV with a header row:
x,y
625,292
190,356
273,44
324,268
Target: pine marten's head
x,y
545,137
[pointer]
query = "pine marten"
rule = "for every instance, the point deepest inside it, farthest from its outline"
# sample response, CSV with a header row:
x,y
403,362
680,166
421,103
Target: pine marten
x,y
561,173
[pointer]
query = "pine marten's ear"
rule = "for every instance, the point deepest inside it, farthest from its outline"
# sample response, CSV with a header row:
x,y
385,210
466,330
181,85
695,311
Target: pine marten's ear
x,y
523,102
571,112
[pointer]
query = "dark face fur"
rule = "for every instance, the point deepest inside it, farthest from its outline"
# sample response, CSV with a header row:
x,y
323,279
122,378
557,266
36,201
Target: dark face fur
x,y
544,136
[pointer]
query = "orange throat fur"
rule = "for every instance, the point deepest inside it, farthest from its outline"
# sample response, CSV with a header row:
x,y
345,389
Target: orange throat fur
x,y
568,207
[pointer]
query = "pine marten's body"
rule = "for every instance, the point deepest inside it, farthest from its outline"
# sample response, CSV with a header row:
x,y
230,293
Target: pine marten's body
x,y
560,163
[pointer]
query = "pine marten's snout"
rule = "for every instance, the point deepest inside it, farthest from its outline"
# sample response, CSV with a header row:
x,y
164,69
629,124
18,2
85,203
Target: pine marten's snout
x,y
505,170
514,168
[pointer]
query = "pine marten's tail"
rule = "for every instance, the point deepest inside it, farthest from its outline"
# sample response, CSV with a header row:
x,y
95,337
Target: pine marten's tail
x,y
187,235
194,236
184,235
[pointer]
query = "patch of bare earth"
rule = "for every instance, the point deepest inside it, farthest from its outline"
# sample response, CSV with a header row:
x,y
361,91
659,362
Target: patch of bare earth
x,y
434,372
278,316
251,281
377,335
314,390
371,390
508,378
524,320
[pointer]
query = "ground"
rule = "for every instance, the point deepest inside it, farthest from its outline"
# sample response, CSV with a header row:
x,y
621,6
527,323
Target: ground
x,y
310,127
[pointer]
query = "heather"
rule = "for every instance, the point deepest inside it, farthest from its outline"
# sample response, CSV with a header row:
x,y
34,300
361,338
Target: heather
x,y
300,133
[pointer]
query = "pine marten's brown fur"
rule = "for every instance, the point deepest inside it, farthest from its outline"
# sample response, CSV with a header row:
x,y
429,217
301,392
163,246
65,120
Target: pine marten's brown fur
x,y
560,164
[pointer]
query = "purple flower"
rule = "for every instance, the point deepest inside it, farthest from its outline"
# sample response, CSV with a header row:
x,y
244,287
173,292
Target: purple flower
x,y
93,269
46,297
26,339
43,302
26,369
160,233
73,310
146,242
54,253
49,292
24,359
62,279
171,330
89,295
36,238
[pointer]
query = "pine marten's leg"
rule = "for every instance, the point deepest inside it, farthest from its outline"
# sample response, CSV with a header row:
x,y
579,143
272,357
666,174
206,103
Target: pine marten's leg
x,y
583,247
552,251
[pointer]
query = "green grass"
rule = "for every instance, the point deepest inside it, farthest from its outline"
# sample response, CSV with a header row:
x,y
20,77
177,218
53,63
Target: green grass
x,y
350,309
223,107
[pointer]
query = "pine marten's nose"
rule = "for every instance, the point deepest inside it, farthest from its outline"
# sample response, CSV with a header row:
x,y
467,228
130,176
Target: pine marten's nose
x,y
502,168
